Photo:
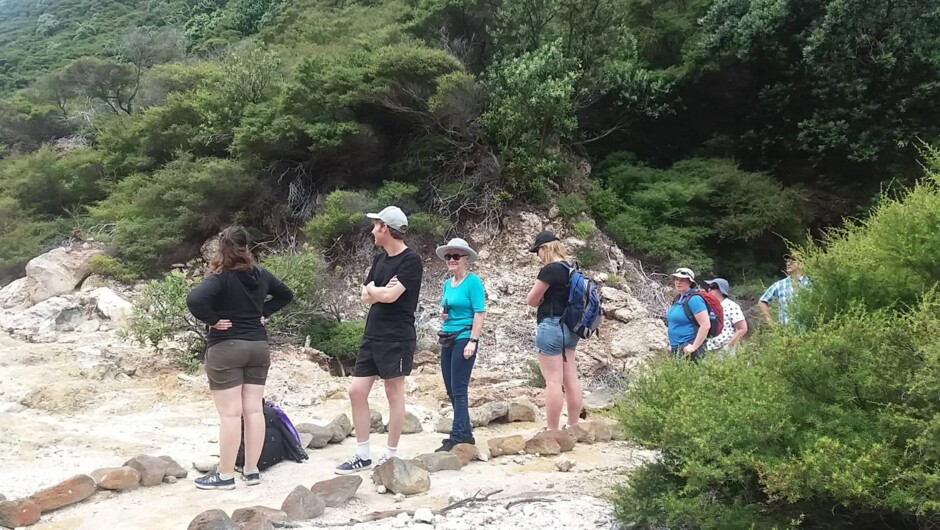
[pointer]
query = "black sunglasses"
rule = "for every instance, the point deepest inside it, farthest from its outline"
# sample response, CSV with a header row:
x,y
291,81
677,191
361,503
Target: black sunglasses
x,y
455,257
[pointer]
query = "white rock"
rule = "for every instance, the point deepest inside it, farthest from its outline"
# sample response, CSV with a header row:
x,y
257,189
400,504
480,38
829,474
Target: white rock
x,y
112,306
424,515
638,337
456,495
15,294
205,465
381,489
58,271
43,321
399,497
564,464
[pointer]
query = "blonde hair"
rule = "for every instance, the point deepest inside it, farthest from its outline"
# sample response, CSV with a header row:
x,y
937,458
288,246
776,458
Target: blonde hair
x,y
552,251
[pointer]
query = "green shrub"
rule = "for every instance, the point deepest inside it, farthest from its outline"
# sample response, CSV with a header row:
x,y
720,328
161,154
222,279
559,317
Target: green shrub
x,y
160,315
339,340
183,202
586,256
306,275
342,215
21,234
111,267
51,184
571,206
429,224
400,194
828,423
604,203
584,229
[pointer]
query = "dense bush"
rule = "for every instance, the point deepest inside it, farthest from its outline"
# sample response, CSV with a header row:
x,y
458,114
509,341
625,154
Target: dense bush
x,y
306,275
160,315
677,215
342,215
339,340
830,423
51,184
183,202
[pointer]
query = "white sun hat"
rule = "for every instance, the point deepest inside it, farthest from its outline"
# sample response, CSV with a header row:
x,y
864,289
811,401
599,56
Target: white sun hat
x,y
457,244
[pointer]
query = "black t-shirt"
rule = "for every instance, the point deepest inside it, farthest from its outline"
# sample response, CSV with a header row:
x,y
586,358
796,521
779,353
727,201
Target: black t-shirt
x,y
555,274
395,322
239,296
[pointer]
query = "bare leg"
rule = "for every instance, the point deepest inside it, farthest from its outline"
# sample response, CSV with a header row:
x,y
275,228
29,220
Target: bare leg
x,y
552,373
573,394
252,411
229,404
395,391
359,401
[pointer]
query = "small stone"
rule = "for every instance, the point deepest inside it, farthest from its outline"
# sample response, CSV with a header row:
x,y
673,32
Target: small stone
x,y
521,409
583,432
116,478
302,504
151,469
466,453
506,445
22,512
205,465
341,427
602,431
71,491
565,440
213,439
424,515
550,486
213,520
381,489
564,464
305,439
542,446
403,477
399,497
258,515
444,424
376,424
434,462
170,479
2,497
337,491
411,425
321,436
488,413
173,468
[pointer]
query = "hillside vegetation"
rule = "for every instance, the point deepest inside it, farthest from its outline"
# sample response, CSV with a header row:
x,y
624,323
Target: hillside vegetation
x,y
717,128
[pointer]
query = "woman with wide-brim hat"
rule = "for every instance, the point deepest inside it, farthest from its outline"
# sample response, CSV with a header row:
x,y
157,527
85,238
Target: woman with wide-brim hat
x,y
686,337
463,307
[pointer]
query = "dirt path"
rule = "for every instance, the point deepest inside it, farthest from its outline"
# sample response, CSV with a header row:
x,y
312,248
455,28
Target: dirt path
x,y
69,409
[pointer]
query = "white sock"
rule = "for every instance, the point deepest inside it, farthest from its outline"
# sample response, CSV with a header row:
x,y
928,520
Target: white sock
x,y
247,471
223,476
362,450
390,451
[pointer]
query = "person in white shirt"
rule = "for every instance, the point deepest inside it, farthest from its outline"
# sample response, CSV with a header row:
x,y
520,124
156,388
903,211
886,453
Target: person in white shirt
x,y
735,326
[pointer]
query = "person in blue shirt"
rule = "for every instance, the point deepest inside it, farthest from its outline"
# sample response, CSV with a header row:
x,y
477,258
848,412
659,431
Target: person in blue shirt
x,y
687,339
463,306
784,291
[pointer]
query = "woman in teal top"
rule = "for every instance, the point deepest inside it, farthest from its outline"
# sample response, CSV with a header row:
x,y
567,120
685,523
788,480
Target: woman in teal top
x,y
462,308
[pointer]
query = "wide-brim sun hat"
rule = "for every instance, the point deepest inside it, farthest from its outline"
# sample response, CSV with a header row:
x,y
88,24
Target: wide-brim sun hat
x,y
684,272
721,283
458,244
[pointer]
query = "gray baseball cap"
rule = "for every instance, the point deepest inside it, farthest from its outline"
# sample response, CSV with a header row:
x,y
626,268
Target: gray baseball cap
x,y
393,217
721,283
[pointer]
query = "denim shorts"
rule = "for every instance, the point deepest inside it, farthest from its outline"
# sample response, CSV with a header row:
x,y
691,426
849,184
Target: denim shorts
x,y
553,338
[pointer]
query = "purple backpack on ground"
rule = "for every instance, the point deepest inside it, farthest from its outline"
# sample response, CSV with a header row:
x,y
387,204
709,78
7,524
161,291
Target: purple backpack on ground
x,y
285,420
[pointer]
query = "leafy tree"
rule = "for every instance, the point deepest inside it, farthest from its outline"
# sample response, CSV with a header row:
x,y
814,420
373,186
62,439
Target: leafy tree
x,y
49,184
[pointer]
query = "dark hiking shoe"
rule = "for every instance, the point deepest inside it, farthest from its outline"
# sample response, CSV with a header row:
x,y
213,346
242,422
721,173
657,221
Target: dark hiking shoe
x,y
252,479
212,481
446,445
353,465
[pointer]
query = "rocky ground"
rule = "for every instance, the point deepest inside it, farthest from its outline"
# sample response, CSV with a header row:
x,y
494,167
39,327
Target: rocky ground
x,y
69,408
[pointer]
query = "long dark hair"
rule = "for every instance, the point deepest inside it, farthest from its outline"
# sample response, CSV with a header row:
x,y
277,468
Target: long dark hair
x,y
233,251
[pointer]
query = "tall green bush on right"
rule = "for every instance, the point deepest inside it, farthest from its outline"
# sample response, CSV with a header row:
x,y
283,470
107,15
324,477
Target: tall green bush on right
x,y
831,422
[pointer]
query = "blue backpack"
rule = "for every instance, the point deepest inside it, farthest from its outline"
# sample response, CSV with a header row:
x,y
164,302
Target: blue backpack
x,y
583,313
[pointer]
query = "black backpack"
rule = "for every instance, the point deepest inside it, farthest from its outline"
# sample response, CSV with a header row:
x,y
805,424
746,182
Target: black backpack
x,y
279,443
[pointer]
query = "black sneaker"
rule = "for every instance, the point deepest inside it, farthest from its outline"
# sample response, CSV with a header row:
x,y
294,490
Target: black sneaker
x,y
252,479
212,481
353,465
446,445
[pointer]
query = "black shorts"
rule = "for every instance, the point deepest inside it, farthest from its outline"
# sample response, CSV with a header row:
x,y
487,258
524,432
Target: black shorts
x,y
387,360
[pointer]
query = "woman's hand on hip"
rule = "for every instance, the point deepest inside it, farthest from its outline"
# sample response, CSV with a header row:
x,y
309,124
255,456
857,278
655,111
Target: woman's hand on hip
x,y
222,325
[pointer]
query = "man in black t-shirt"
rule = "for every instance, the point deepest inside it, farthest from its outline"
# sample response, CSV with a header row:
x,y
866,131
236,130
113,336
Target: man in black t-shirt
x,y
388,343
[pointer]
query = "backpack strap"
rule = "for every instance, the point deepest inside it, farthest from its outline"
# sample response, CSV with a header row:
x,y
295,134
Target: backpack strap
x,y
688,310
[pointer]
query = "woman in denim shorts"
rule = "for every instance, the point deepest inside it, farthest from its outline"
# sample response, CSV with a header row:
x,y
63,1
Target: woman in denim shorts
x,y
554,342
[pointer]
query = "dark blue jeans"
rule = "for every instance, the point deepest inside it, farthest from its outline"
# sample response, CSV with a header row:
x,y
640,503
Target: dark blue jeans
x,y
456,371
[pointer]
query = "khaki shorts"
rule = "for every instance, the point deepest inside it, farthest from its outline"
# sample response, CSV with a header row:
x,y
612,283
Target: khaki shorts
x,y
237,362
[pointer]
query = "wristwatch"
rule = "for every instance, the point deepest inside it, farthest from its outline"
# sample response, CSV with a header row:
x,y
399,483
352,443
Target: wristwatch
x,y
474,340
